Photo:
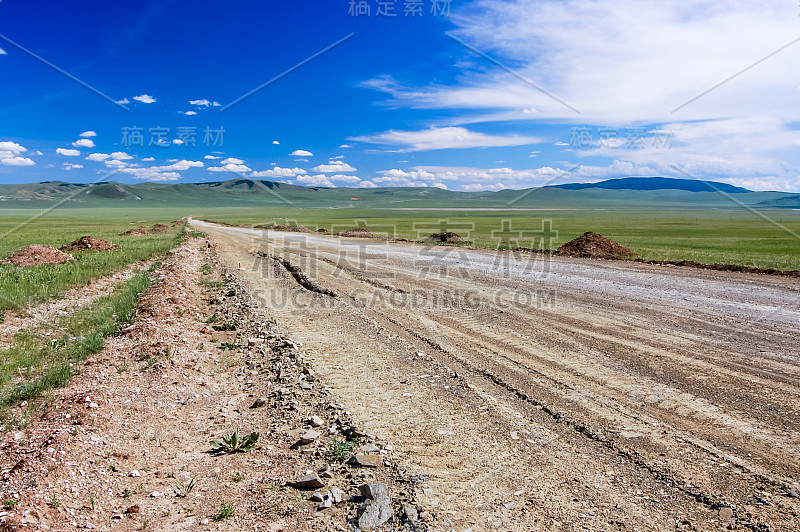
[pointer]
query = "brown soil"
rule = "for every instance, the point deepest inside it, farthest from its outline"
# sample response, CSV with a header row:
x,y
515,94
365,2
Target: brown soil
x,y
36,254
86,243
448,237
594,246
274,227
160,228
360,232
300,229
725,267
139,231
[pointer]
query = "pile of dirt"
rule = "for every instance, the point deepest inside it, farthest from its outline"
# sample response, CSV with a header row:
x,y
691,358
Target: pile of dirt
x,y
360,232
85,243
594,246
160,228
139,231
300,229
274,227
38,254
448,237
725,267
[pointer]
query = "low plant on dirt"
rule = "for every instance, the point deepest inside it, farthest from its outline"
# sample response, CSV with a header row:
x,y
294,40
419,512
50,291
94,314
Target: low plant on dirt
x,y
54,502
205,269
227,326
341,451
234,443
225,511
9,504
183,490
228,346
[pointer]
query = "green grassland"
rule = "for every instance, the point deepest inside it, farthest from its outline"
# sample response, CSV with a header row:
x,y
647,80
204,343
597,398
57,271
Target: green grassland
x,y
21,287
732,236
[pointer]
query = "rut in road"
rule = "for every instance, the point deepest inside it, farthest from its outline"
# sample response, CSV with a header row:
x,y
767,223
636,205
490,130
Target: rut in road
x,y
586,413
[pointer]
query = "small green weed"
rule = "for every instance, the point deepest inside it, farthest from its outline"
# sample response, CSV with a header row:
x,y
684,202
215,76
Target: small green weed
x,y
234,443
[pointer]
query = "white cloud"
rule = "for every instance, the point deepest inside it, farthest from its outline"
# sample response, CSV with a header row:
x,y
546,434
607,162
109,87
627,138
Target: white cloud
x,y
87,134
144,98
98,157
121,156
346,178
16,161
190,113
302,153
367,184
68,152
178,166
177,141
12,147
345,146
230,167
3,52
83,143
204,103
438,138
279,172
113,163
123,101
231,160
148,159
151,174
210,157
275,142
334,166
319,180
68,166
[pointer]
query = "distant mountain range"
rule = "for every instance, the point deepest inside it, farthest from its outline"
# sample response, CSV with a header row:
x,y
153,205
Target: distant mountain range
x,y
657,183
630,192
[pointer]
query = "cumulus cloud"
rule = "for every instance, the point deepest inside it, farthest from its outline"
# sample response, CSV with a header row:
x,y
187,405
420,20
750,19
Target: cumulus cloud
x,y
98,157
121,156
301,153
177,141
68,166
231,160
3,52
16,161
114,163
367,184
190,113
275,142
151,174
438,138
204,103
346,178
123,101
148,159
334,166
144,98
230,167
279,172
319,180
87,134
178,166
210,157
83,143
68,152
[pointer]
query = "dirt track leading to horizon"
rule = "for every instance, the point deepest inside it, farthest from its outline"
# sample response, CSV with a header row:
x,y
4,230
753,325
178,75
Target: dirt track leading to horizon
x,y
567,394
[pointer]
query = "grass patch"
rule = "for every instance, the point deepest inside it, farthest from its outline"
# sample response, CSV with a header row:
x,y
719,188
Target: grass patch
x,y
341,451
21,287
35,365
225,511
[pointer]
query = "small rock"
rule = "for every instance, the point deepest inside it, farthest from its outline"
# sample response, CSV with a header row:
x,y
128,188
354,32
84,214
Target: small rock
x,y
508,505
411,513
310,436
325,504
155,494
317,497
134,474
308,482
316,421
326,473
132,509
93,405
116,516
378,510
366,460
336,495
306,386
252,342
725,513
261,401
368,448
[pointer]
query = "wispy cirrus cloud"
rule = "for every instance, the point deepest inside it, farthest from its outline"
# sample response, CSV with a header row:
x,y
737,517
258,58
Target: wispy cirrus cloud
x,y
439,138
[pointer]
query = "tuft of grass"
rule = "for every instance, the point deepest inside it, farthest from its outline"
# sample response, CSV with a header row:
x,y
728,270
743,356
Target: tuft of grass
x,y
183,490
9,504
225,511
341,451
227,326
235,443
228,346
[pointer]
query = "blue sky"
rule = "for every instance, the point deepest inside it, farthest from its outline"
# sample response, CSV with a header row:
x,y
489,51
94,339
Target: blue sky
x,y
492,94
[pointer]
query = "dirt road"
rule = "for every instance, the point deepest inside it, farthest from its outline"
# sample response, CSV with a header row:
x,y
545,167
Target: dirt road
x,y
551,394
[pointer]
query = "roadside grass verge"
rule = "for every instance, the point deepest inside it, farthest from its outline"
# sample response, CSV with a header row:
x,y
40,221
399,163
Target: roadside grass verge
x,y
35,364
21,287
